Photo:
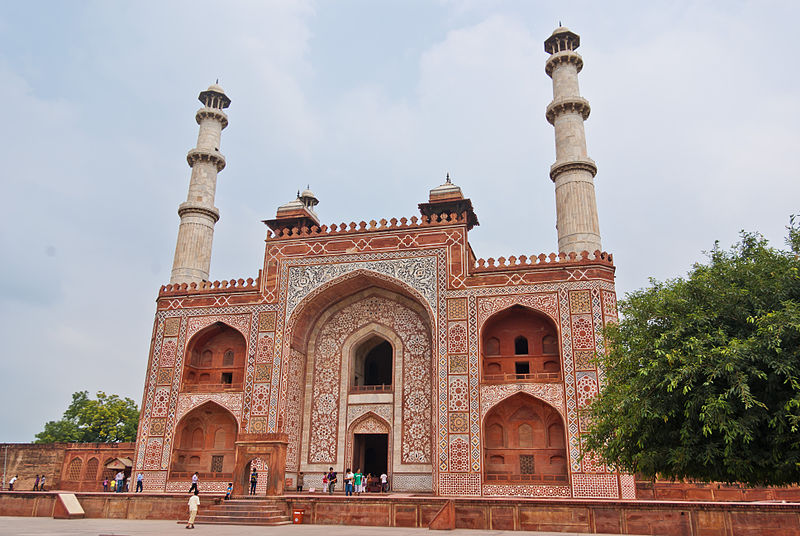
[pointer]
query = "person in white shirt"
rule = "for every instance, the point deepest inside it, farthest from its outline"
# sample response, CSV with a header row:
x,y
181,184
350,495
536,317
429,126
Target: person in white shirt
x,y
12,482
194,504
194,483
384,483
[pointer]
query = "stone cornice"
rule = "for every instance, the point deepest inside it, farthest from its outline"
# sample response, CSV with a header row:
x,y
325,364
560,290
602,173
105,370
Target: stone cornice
x,y
565,56
571,104
586,164
211,113
202,155
193,208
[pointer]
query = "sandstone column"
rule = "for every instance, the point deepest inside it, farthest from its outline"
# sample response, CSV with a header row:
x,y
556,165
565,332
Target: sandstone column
x,y
573,172
198,214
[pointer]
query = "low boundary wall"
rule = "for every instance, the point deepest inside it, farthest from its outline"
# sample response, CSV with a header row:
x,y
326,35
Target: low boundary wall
x,y
558,515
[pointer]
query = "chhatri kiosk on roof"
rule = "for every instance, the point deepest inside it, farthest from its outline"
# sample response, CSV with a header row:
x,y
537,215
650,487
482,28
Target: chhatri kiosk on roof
x,y
385,345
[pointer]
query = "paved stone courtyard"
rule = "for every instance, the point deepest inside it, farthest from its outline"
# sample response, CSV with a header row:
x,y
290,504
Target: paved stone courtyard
x,y
34,526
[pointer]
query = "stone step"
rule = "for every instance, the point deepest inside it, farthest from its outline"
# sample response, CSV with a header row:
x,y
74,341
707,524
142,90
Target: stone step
x,y
247,506
248,513
242,520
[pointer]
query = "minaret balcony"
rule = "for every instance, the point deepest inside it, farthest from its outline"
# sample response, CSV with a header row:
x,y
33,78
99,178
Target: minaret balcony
x,y
564,105
203,155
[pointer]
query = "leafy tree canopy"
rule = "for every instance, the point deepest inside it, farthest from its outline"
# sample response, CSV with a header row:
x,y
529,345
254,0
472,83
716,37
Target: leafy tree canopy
x,y
703,373
108,419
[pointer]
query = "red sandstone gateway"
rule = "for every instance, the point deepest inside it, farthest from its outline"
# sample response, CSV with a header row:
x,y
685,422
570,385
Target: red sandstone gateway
x,y
385,345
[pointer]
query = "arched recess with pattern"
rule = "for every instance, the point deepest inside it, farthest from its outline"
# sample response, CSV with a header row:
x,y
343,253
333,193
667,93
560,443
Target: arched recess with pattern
x,y
215,360
205,442
519,344
320,339
524,440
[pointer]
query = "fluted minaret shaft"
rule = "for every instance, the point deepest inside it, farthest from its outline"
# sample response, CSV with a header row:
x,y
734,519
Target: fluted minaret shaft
x,y
573,172
198,214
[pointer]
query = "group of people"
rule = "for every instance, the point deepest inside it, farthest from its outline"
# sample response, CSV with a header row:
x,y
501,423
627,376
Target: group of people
x,y
38,484
120,483
353,482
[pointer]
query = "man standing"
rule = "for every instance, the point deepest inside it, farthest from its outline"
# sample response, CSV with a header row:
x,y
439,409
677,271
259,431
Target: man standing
x,y
331,480
194,486
194,504
41,483
300,481
384,483
120,478
139,482
36,484
253,481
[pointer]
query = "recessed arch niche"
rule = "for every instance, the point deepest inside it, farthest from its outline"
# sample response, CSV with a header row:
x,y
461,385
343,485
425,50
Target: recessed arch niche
x,y
205,441
524,441
520,344
215,360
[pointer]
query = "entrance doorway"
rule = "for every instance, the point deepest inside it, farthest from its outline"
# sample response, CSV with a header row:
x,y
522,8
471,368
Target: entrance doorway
x,y
371,453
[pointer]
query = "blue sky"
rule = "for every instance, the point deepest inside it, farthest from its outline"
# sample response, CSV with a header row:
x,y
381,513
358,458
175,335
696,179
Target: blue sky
x,y
693,127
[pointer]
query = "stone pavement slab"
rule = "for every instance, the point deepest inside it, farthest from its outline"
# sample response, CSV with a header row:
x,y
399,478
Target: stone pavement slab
x,y
37,526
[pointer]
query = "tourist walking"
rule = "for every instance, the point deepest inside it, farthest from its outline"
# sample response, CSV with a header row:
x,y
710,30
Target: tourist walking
x,y
229,491
253,482
36,484
194,504
12,482
194,484
331,480
41,483
139,482
348,483
300,481
120,478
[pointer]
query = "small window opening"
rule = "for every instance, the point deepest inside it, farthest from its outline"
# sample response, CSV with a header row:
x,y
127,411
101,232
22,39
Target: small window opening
x,y
522,367
216,464
227,359
521,345
227,377
526,464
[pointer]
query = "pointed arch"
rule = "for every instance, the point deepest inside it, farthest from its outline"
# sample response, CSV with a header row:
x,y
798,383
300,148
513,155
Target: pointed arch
x,y
197,445
531,446
518,340
303,317
216,357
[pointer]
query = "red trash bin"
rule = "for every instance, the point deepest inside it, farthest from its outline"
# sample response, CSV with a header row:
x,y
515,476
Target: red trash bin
x,y
297,516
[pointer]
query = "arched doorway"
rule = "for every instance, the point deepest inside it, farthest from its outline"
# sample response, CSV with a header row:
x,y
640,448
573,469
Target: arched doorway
x,y
524,440
369,446
262,475
215,360
519,344
204,442
363,342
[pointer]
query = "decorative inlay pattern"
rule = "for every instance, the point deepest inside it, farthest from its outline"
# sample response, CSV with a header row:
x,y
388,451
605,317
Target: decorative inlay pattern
x,y
230,401
552,393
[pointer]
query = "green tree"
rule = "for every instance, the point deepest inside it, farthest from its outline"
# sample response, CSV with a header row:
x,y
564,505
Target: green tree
x,y
703,372
108,419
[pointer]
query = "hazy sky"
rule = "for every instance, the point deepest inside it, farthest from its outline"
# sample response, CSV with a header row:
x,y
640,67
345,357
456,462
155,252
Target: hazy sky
x,y
694,128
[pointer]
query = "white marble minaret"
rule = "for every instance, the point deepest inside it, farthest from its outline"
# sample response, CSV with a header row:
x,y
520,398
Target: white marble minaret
x,y
198,214
573,172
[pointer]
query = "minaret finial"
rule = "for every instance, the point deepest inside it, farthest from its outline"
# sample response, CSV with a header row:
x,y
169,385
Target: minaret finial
x,y
448,177
217,82
559,24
